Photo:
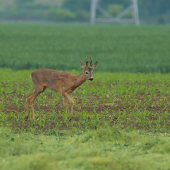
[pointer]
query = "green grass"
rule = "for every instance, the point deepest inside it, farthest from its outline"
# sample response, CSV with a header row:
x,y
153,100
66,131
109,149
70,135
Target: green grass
x,y
106,148
61,46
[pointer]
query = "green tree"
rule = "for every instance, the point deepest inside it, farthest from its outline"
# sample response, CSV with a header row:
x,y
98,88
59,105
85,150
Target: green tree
x,y
114,9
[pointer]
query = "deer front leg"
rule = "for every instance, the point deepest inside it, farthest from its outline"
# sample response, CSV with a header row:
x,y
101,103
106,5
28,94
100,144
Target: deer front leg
x,y
71,101
35,94
66,104
28,103
33,114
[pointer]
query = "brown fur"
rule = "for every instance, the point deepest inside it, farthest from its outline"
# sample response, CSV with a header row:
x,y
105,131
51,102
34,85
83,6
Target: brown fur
x,y
62,82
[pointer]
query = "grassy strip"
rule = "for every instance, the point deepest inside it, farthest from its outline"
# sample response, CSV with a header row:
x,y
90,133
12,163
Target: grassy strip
x,y
105,148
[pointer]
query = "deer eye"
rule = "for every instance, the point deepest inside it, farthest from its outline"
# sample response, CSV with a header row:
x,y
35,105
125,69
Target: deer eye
x,y
87,72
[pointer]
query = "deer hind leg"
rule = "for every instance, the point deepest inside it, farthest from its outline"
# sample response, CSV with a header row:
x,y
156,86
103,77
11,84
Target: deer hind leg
x,y
71,101
30,99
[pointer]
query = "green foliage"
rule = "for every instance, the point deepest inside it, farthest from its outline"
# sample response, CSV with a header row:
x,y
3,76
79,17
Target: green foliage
x,y
151,11
114,9
82,15
60,15
76,5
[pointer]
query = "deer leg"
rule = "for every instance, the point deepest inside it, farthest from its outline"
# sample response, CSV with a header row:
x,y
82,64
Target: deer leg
x,y
28,103
33,114
66,104
36,93
30,95
31,98
71,101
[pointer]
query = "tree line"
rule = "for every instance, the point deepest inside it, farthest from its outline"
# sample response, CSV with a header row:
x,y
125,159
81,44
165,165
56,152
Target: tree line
x,y
150,11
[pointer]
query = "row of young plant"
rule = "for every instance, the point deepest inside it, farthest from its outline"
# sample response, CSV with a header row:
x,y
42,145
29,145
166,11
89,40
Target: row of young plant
x,y
130,101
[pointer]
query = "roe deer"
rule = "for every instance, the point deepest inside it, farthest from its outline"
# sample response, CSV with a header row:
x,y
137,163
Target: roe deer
x,y
62,82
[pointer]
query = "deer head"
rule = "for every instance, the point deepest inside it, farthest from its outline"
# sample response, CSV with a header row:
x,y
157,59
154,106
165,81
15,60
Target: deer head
x,y
88,70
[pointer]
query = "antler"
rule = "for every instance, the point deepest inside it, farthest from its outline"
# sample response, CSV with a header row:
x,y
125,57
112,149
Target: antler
x,y
87,61
90,62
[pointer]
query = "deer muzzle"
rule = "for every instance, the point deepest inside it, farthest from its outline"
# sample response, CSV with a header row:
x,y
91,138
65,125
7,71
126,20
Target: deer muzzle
x,y
91,79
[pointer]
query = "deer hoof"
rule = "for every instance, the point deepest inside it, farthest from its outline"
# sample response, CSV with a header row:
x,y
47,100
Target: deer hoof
x,y
26,118
70,118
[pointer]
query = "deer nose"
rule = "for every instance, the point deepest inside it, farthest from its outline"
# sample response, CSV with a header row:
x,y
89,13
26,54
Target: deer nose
x,y
91,79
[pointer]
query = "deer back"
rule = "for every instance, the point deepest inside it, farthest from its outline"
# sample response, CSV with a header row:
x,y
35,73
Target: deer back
x,y
55,80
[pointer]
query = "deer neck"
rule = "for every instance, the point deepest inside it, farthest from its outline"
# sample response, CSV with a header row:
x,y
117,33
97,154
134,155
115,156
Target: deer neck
x,y
80,79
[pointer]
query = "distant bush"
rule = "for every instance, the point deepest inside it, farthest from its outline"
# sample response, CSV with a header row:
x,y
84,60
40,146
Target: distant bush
x,y
60,15
114,9
82,15
128,15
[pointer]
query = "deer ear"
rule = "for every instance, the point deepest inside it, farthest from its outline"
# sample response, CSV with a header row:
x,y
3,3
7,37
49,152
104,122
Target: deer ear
x,y
82,64
95,64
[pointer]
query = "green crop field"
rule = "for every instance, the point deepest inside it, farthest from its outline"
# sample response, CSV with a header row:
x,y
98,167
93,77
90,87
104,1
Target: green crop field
x,y
61,46
121,119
